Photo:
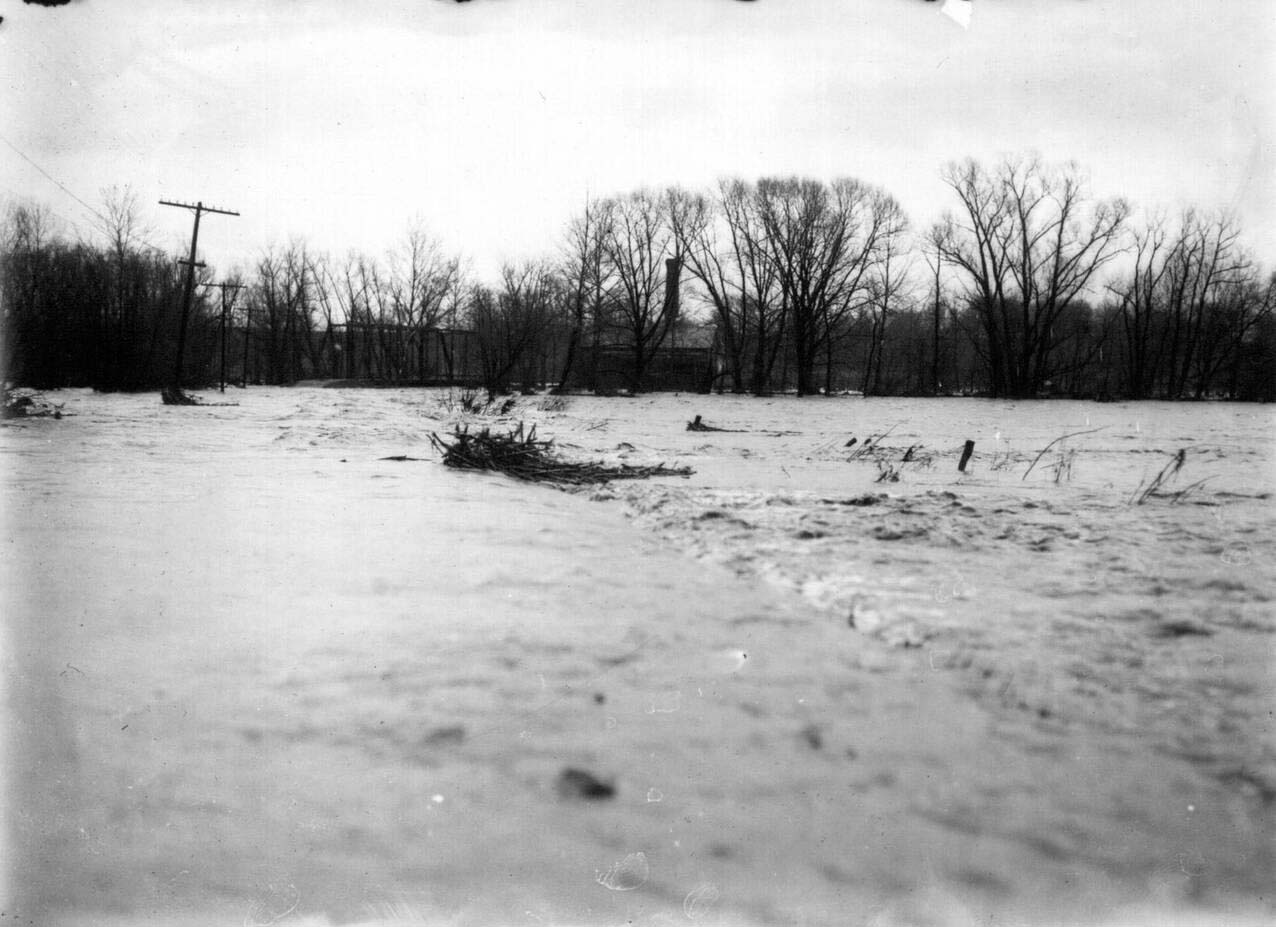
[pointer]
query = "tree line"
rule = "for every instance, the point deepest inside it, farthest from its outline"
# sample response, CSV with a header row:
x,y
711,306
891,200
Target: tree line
x,y
1030,285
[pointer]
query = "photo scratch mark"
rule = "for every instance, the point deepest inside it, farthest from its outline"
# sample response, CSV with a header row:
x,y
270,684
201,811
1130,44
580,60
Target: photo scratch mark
x,y
700,899
278,903
655,709
626,875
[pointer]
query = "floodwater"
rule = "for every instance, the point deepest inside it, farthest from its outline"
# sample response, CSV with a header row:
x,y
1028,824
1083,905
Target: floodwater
x,y
259,674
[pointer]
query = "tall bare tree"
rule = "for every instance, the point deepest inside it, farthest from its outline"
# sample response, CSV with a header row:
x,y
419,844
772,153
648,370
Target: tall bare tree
x,y
422,278
31,331
646,259
763,308
587,276
1026,243
511,324
1207,258
697,227
889,289
823,240
284,297
1139,303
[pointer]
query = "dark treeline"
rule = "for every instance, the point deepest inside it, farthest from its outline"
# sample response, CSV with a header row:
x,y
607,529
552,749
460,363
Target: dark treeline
x,y
1030,286
82,314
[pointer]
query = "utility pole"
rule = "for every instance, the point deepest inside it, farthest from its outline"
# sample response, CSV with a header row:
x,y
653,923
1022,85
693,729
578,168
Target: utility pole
x,y
934,356
248,324
234,289
189,290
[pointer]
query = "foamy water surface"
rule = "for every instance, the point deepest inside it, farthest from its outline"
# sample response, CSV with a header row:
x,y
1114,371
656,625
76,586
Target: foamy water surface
x,y
260,674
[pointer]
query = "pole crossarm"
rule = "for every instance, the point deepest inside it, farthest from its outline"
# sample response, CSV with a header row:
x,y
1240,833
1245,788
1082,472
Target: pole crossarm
x,y
199,207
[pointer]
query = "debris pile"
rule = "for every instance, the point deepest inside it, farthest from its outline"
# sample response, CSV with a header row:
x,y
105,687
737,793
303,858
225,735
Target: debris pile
x,y
27,404
522,455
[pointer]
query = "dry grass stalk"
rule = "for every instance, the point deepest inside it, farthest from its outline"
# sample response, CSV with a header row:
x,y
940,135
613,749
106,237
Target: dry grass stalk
x,y
870,445
1155,488
1042,452
886,473
471,402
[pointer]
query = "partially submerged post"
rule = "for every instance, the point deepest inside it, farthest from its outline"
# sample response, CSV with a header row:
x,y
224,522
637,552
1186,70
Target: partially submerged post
x,y
965,455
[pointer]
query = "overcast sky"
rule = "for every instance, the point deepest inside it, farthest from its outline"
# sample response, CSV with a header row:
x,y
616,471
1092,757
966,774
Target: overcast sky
x,y
493,120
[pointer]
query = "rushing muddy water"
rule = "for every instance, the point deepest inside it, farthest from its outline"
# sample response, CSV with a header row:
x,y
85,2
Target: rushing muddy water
x,y
259,674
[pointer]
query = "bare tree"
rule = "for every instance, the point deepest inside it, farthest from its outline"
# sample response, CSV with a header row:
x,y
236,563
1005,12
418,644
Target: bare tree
x,y
645,257
124,234
1139,297
696,226
889,286
1177,307
931,253
1027,243
511,324
589,281
823,241
284,294
763,309
1237,308
28,236
1207,258
421,279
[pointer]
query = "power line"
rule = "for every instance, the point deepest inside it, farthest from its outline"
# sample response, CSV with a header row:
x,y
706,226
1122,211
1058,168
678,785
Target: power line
x,y
53,180
144,239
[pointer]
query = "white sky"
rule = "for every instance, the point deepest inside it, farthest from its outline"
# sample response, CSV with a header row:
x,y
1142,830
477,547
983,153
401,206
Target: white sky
x,y
491,120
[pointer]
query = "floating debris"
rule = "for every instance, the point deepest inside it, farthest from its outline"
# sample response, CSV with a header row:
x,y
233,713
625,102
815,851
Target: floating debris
x,y
521,455
173,396
28,404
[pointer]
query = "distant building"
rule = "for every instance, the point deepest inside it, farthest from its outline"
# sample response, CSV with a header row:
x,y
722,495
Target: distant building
x,y
611,368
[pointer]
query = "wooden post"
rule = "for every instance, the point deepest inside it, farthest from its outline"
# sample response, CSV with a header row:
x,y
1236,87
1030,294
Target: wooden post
x,y
248,324
234,288
965,455
222,377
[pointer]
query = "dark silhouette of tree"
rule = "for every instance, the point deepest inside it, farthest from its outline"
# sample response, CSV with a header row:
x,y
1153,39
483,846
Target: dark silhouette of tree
x,y
645,257
1027,242
512,324
588,278
822,242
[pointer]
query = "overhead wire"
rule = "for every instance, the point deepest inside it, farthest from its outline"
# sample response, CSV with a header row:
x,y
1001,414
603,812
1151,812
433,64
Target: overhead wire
x,y
53,180
98,76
